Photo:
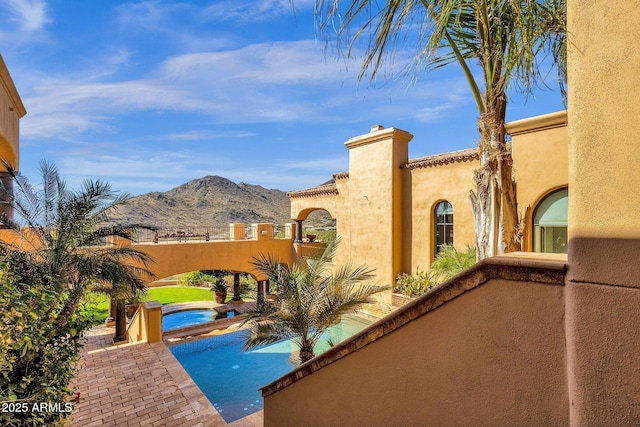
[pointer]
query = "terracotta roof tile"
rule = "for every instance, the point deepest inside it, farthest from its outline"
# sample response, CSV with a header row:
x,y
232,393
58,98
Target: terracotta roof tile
x,y
440,159
320,190
341,175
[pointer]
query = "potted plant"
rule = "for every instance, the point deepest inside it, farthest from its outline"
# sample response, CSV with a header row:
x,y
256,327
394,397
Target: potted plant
x,y
220,290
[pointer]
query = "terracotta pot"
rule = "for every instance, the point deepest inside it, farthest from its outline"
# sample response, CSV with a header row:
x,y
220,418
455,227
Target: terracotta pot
x,y
220,297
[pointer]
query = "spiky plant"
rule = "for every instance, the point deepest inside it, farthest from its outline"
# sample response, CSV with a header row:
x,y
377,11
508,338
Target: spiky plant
x,y
309,299
450,261
69,234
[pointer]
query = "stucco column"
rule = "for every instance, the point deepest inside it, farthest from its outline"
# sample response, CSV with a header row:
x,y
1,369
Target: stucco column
x,y
236,287
603,278
260,294
376,202
298,236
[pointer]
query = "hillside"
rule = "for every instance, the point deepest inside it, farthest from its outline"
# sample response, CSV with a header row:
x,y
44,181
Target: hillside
x,y
211,200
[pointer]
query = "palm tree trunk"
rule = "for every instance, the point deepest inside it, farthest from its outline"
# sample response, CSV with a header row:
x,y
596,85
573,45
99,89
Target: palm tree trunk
x,y
306,352
236,287
121,321
494,200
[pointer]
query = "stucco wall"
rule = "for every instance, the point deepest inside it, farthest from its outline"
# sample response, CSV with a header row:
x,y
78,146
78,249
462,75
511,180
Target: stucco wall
x,y
604,141
385,207
375,203
603,287
540,162
492,356
171,259
11,110
424,188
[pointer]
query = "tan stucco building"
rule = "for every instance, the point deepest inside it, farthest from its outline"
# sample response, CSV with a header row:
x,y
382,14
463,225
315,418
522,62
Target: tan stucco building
x,y
524,339
11,111
393,214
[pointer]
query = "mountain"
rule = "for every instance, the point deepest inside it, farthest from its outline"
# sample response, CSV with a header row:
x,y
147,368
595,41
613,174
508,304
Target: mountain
x,y
211,201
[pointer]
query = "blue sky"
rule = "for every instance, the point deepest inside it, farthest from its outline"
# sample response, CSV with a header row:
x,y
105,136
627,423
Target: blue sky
x,y
151,94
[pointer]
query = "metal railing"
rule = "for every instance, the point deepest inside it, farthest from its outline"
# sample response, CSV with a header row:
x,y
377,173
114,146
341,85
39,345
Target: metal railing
x,y
183,234
166,234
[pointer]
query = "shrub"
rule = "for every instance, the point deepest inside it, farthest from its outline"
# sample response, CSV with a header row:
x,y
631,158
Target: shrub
x,y
416,284
451,261
196,278
38,353
447,264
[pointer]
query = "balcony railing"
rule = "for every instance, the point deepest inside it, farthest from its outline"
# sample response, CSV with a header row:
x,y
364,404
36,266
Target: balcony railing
x,y
183,234
166,234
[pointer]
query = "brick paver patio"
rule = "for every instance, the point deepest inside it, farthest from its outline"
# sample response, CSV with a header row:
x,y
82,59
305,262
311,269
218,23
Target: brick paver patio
x,y
140,384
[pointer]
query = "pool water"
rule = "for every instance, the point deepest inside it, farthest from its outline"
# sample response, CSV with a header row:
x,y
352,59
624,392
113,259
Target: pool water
x,y
230,377
186,318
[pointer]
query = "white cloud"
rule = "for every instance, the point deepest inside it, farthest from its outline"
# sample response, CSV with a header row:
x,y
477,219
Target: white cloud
x,y
149,15
199,135
252,10
31,15
280,82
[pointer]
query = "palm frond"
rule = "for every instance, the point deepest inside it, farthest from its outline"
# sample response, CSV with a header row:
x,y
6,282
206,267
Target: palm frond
x,y
507,38
264,333
310,298
66,232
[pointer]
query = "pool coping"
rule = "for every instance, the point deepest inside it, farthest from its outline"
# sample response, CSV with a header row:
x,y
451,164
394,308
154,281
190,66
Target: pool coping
x,y
200,330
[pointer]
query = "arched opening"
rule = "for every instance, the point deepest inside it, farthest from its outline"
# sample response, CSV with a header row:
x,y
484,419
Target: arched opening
x,y
316,225
319,226
550,221
443,226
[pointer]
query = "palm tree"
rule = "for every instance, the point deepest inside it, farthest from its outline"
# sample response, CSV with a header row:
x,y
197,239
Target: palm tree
x,y
308,300
507,38
66,234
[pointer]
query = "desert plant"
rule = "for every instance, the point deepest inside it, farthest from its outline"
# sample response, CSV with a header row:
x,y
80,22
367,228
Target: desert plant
x,y
451,261
413,285
219,284
309,299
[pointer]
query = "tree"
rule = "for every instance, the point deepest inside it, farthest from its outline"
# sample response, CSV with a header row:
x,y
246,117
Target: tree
x,y
308,300
70,234
37,354
59,245
507,38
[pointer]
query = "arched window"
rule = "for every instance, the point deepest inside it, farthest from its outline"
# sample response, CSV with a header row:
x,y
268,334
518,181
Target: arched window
x,y
443,226
550,223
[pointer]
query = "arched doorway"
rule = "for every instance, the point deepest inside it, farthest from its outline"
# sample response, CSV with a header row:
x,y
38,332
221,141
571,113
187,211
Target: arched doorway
x,y
550,221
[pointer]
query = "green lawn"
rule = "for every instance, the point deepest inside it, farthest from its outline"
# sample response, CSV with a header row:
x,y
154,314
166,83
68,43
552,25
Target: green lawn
x,y
171,294
99,304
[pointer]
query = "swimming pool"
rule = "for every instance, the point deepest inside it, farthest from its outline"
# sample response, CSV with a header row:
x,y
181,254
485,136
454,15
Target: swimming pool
x,y
230,377
186,318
